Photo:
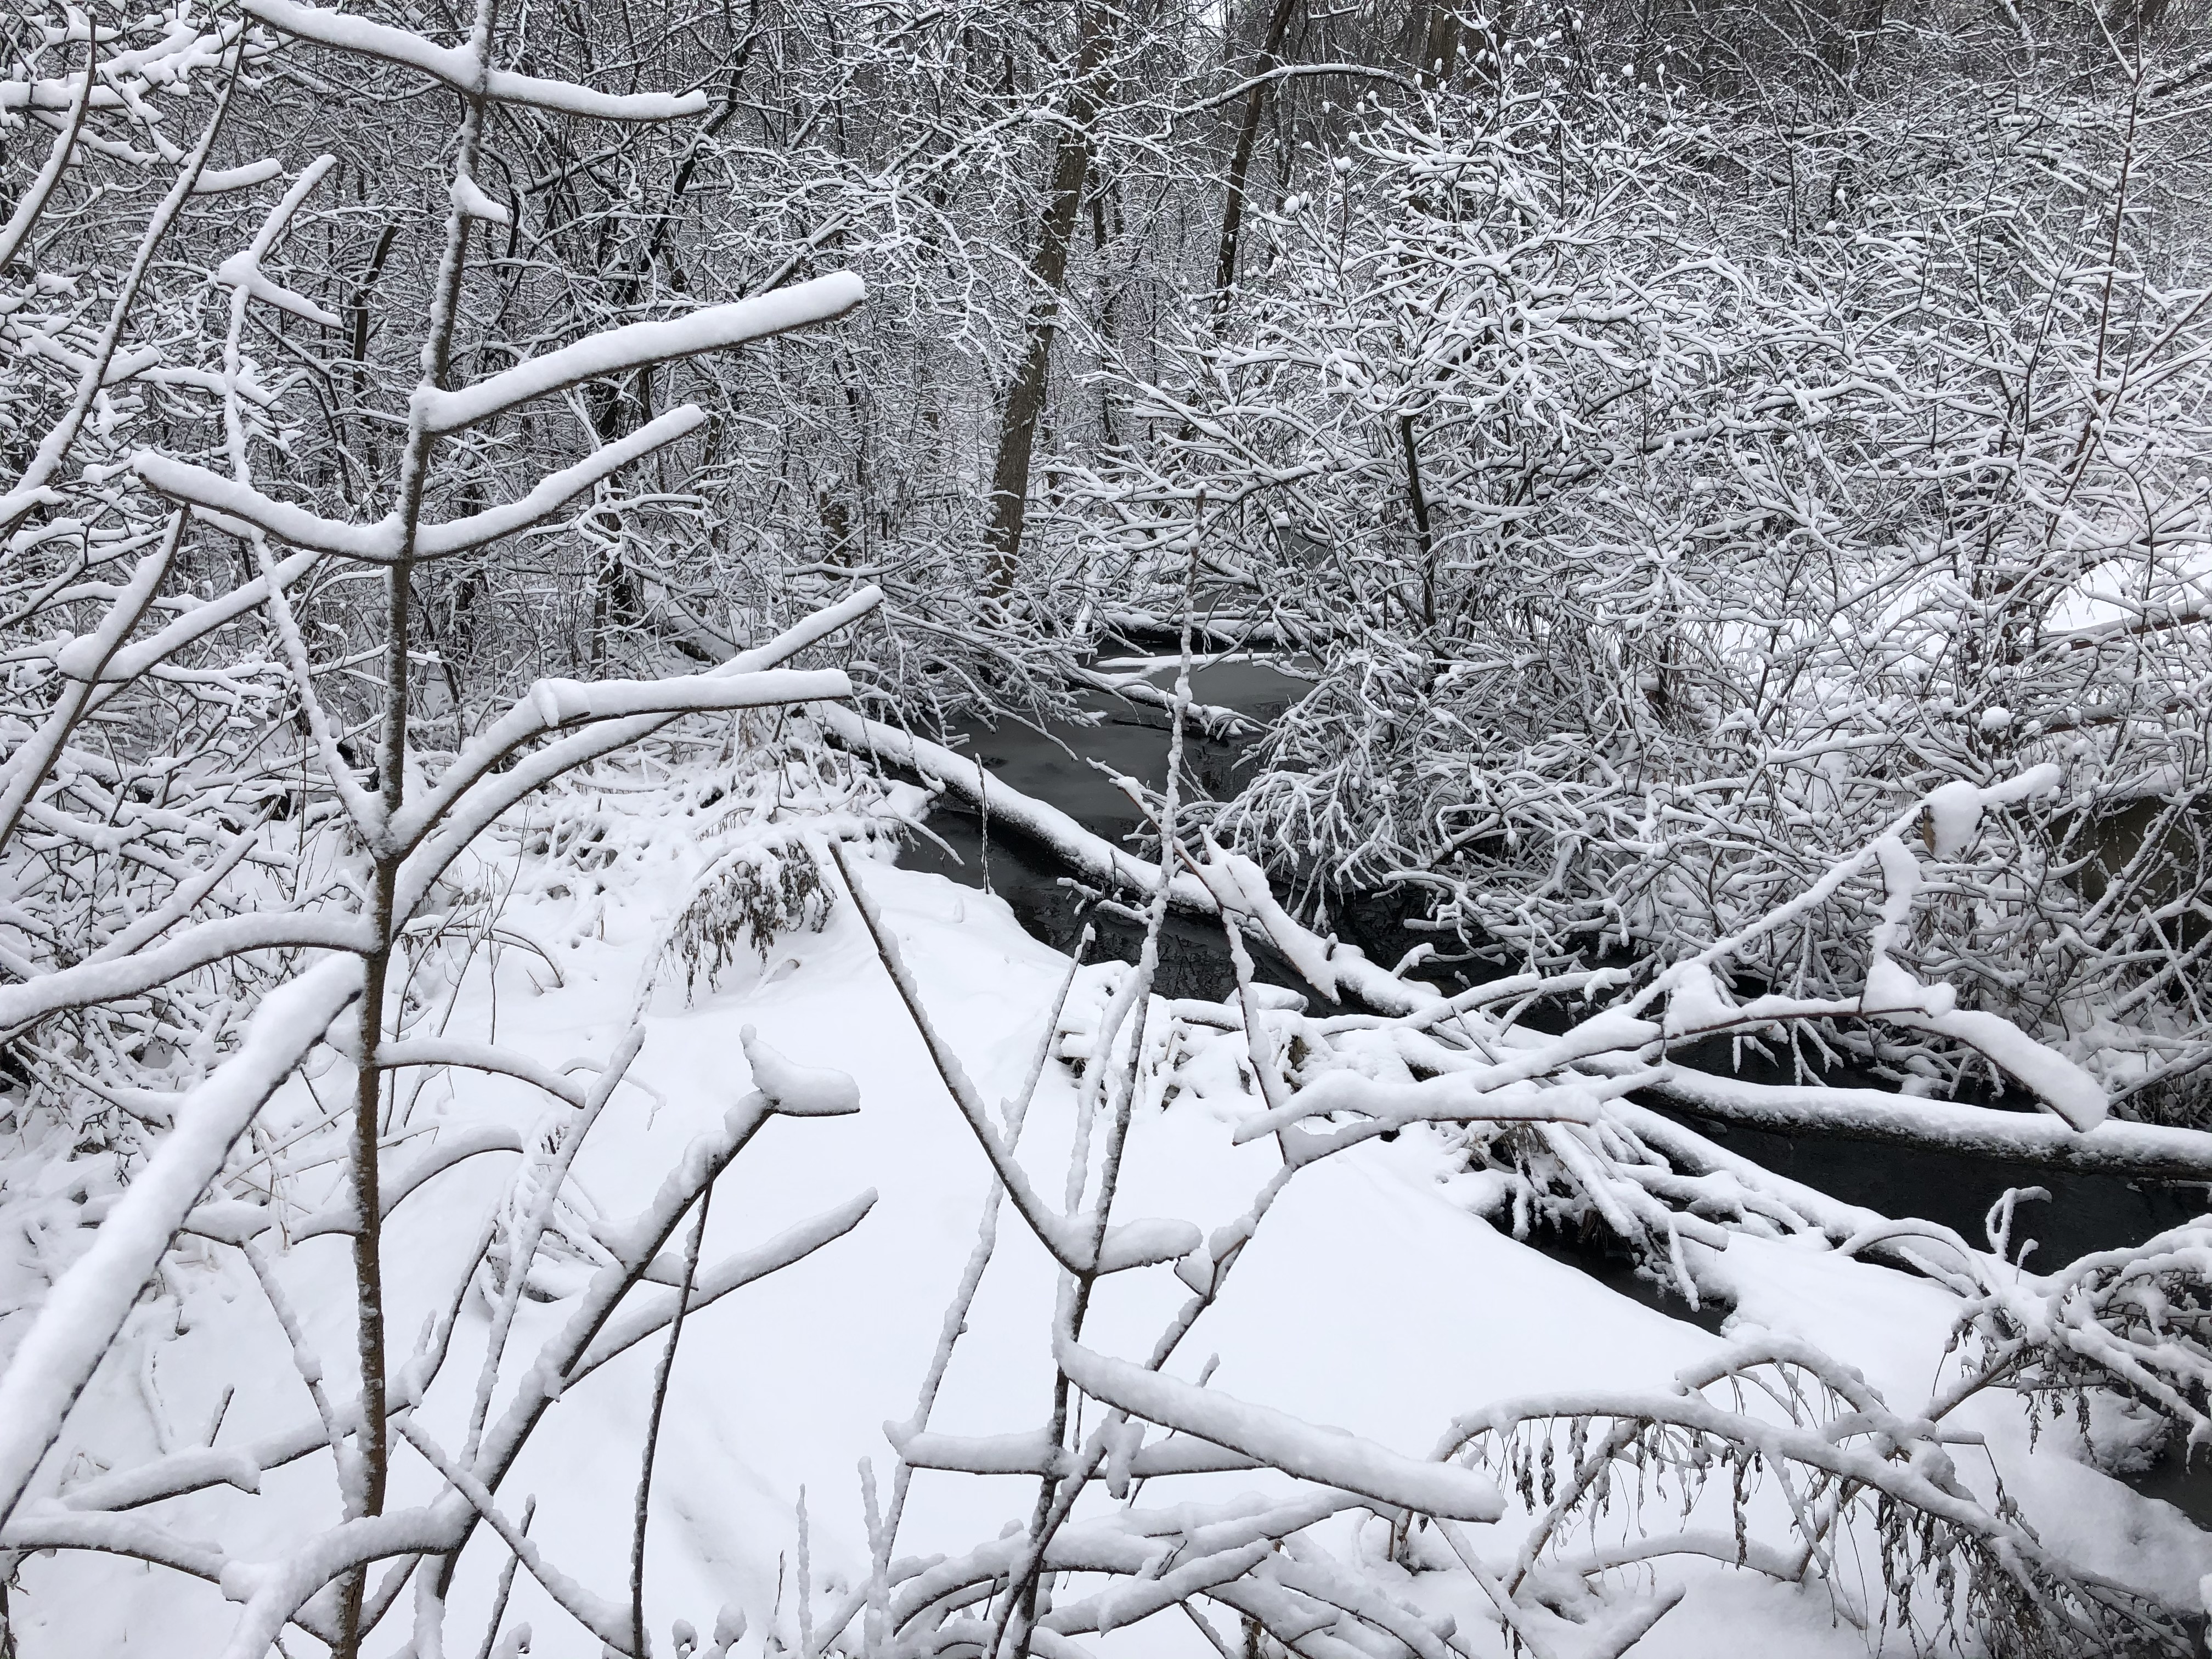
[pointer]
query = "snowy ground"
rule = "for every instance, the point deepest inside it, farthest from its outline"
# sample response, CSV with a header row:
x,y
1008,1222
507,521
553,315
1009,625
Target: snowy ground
x,y
1372,1299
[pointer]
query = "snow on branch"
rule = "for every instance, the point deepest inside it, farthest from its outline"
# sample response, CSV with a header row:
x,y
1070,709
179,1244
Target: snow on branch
x,y
795,1244
1281,1442
471,1142
1074,1241
553,704
2140,1149
90,982
116,1535
1035,1452
1447,1097
442,811
240,507
1345,969
798,1091
239,178
87,1308
461,69
635,345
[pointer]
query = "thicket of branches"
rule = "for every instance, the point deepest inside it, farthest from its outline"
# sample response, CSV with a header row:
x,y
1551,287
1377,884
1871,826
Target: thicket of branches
x,y
1674,435
1697,453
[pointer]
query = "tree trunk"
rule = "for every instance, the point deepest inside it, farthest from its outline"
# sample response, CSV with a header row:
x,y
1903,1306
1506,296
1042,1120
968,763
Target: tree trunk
x,y
1240,159
1010,471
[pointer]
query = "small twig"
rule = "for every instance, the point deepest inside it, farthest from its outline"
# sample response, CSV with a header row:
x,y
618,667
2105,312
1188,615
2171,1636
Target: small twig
x,y
660,1375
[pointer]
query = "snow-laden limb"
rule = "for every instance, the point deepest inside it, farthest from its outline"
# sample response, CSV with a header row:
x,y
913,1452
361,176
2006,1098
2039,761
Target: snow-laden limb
x,y
1044,822
82,1315
243,270
473,1141
209,942
594,1613
438,1051
1238,1554
2129,1319
648,1314
469,200
200,619
1226,882
1893,994
1449,1097
635,345
2121,1148
1279,1441
237,506
1080,1242
2023,1596
1031,1451
33,201
1240,888
2055,1080
1789,1205
443,810
244,177
1143,1243
1347,971
798,1091
84,660
1035,1452
553,704
274,1592
240,507
1695,1009
553,490
461,69
36,1527
35,486
472,795
634,1246
193,1471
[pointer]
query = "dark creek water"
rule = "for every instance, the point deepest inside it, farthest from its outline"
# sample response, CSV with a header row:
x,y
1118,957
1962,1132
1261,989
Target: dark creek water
x,y
2085,1211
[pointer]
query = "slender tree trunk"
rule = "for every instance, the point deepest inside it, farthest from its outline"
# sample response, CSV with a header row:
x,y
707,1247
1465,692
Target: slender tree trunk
x,y
1240,159
373,1440
1417,498
1439,45
1010,471
1850,26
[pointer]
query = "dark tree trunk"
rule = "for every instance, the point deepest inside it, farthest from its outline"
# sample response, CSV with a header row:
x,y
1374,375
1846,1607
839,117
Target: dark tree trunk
x,y
1240,159
1010,471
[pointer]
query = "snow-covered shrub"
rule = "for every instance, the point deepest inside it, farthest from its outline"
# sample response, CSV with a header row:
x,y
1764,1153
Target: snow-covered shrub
x,y
1653,544
215,899
713,831
1593,1470
749,897
2135,1322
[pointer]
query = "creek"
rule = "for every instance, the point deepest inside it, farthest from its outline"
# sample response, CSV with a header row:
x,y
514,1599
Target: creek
x,y
1070,766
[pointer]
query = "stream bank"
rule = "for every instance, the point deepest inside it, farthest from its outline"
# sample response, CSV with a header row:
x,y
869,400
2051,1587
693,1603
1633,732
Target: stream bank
x,y
1070,767
2088,1210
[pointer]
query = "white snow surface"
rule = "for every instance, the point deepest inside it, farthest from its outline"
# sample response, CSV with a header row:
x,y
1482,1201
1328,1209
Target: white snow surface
x,y
1372,1300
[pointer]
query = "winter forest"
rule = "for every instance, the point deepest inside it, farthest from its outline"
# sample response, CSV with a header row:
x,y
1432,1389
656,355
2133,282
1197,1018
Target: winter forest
x,y
1032,828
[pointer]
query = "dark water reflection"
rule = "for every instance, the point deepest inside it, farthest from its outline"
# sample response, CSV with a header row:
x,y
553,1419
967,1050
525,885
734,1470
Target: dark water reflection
x,y
1056,765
